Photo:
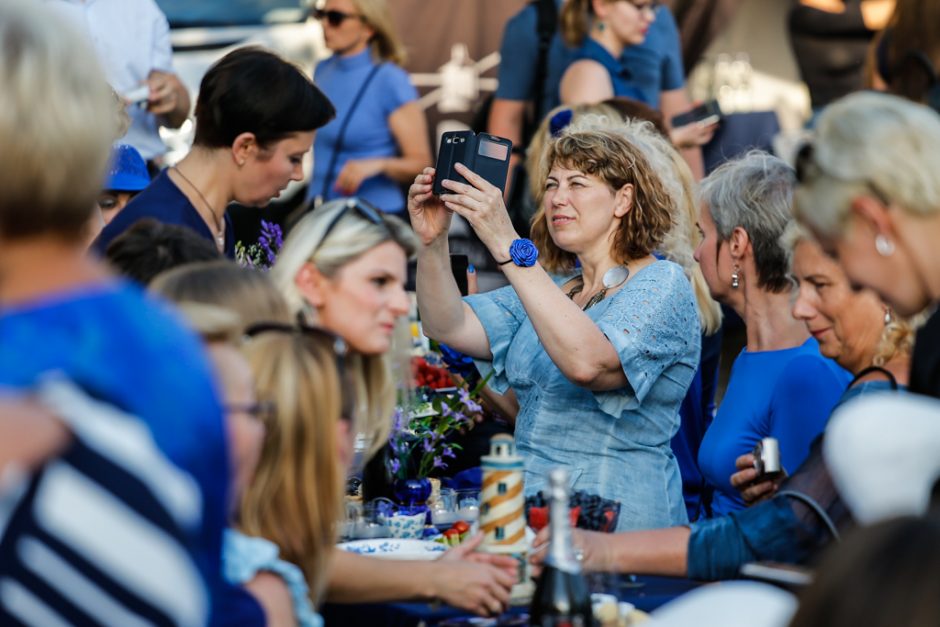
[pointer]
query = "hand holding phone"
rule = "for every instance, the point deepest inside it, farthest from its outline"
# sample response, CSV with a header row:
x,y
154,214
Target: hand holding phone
x,y
705,114
484,154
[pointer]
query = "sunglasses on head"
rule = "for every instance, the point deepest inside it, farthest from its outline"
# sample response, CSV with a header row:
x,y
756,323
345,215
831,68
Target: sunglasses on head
x,y
362,207
808,169
332,17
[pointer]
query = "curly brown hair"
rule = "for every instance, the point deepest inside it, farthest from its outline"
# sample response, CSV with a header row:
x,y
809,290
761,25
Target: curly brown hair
x,y
608,155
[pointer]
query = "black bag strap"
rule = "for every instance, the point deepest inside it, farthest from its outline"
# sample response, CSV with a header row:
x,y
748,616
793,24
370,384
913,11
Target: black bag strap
x,y
341,136
867,371
547,24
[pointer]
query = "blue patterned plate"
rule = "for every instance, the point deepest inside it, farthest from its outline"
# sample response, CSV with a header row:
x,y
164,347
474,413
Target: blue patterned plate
x,y
395,549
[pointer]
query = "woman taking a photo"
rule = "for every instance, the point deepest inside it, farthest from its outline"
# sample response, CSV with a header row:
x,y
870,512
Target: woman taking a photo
x,y
378,140
247,148
600,353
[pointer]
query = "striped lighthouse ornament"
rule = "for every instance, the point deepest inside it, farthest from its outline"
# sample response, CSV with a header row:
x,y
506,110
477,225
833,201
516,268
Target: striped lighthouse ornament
x,y
502,509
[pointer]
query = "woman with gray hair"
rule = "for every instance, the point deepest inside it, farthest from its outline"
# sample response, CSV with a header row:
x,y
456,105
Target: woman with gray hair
x,y
869,191
780,385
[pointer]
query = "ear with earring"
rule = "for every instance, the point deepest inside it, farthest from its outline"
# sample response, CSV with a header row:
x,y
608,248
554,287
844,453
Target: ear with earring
x,y
736,277
884,246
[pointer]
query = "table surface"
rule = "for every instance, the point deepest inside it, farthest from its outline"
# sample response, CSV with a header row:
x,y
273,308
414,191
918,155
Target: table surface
x,y
645,592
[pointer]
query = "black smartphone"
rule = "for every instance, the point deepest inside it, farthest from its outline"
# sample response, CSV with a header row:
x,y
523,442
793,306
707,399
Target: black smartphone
x,y
458,265
484,154
707,113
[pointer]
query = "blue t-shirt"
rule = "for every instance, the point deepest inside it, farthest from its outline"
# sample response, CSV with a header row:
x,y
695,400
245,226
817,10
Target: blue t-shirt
x,y
654,66
163,201
786,394
123,347
621,78
368,134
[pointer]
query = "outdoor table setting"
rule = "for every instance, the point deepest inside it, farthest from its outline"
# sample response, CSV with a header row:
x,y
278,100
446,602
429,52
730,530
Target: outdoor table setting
x,y
643,593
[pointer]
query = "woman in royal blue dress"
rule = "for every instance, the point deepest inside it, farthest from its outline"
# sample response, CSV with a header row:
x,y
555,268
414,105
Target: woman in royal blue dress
x,y
598,339
780,385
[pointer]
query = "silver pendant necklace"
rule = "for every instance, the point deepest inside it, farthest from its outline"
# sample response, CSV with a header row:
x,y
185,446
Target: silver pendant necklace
x,y
615,277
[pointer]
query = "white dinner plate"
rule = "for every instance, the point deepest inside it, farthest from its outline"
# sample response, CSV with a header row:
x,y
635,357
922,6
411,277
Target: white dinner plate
x,y
396,549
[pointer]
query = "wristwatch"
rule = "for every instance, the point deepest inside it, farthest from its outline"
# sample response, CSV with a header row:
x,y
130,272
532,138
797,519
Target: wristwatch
x,y
522,252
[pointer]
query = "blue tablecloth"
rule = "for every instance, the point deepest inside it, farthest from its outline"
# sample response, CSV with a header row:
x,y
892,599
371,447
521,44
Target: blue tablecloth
x,y
646,593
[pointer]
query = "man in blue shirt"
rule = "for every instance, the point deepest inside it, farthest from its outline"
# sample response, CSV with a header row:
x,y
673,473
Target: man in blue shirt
x,y
655,67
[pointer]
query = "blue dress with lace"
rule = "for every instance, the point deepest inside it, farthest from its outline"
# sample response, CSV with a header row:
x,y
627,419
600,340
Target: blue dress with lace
x,y
243,557
615,443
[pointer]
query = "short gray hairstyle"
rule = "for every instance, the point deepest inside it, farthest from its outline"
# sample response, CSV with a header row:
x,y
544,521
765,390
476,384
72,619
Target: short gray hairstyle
x,y
56,124
754,192
870,143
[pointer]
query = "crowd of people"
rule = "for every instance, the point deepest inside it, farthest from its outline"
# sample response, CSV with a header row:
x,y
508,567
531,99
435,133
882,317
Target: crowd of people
x,y
177,429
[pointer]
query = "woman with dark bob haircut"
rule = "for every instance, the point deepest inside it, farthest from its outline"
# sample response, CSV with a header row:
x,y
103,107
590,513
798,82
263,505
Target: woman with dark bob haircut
x,y
255,119
599,341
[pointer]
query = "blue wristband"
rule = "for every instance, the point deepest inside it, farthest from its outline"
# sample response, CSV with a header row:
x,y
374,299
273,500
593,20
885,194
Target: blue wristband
x,y
523,253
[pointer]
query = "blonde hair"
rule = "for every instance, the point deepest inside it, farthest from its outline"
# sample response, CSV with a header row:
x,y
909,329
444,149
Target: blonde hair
x,y
575,20
680,241
869,140
897,338
592,146
385,43
248,292
54,125
349,238
296,496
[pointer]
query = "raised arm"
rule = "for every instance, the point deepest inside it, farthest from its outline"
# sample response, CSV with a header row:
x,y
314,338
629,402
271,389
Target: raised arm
x,y
444,315
574,342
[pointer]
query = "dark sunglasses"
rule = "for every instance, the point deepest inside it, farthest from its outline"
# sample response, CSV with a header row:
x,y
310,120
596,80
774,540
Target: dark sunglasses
x,y
340,350
652,6
262,411
333,18
808,169
364,208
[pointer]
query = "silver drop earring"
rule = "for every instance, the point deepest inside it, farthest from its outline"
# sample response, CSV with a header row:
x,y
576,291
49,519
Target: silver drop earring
x,y
884,246
888,317
735,279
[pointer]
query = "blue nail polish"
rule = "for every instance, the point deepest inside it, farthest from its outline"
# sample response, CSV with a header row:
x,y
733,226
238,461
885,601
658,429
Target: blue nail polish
x,y
471,269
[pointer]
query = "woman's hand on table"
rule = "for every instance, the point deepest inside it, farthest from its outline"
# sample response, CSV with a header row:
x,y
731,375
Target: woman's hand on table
x,y
475,582
591,546
430,219
481,204
748,483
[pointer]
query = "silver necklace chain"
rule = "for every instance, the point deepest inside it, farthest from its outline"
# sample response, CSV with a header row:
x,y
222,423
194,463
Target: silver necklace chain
x,y
219,223
615,277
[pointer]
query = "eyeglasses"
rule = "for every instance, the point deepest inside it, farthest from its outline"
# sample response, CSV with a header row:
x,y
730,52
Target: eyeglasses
x,y
333,18
651,6
808,168
340,351
262,411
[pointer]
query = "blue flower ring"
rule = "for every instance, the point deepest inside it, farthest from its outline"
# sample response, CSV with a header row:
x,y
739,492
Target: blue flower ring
x,y
523,253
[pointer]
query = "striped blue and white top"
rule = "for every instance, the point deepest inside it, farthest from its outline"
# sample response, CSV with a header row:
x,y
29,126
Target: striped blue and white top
x,y
103,533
